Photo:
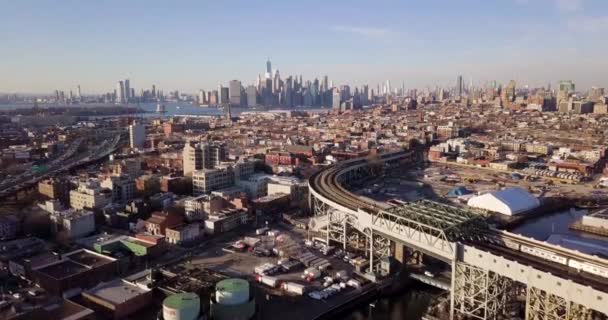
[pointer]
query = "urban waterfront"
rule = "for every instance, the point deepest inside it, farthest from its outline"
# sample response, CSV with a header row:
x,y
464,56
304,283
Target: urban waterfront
x,y
411,304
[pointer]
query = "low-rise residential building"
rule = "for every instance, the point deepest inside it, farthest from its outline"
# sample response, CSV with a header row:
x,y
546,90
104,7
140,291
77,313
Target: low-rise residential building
x,y
129,166
90,195
183,233
207,180
199,207
55,189
73,223
162,201
122,186
160,221
226,220
148,184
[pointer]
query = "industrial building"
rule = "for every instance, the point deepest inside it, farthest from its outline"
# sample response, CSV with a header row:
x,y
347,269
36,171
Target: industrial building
x,y
111,243
508,201
117,299
75,272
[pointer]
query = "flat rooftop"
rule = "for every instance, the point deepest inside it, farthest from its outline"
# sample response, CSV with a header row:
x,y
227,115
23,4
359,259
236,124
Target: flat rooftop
x,y
103,238
139,242
67,310
62,269
271,197
88,259
117,291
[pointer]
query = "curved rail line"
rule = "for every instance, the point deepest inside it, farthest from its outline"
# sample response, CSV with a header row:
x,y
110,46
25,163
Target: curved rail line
x,y
327,184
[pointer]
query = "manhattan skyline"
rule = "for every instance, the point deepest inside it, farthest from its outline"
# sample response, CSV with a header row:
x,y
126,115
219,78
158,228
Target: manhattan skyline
x,y
188,46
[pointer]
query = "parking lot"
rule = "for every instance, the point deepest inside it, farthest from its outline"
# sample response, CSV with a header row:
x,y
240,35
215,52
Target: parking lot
x,y
326,279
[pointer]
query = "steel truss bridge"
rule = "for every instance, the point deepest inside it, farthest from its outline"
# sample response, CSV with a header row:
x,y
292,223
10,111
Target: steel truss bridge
x,y
488,266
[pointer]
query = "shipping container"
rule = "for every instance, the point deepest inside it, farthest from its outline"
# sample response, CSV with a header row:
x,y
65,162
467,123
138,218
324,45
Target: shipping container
x,y
293,287
269,281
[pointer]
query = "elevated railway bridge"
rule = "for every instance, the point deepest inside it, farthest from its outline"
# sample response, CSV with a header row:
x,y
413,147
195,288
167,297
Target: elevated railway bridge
x,y
489,267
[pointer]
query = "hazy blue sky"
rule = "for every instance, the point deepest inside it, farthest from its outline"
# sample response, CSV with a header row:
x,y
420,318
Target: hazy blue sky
x,y
189,45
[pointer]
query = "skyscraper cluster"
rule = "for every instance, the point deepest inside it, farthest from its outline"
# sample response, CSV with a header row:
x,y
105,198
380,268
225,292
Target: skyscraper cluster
x,y
124,93
272,90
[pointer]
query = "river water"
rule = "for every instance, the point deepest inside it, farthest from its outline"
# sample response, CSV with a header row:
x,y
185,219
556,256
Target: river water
x,y
174,109
409,305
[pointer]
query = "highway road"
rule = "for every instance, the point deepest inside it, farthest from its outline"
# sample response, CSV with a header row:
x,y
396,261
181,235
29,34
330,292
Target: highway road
x,y
65,162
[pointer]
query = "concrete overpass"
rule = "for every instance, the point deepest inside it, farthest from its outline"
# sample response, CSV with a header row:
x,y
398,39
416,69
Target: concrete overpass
x,y
488,266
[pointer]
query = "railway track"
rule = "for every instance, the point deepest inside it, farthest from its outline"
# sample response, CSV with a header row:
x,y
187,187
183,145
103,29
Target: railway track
x,y
326,182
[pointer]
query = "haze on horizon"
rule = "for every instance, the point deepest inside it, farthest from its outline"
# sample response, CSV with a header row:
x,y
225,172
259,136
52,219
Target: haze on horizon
x,y
189,45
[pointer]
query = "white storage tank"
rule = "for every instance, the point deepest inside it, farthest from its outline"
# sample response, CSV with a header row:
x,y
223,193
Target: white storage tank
x,y
182,306
232,291
232,301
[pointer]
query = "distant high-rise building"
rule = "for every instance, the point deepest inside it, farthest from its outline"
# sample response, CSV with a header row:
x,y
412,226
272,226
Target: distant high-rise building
x,y
268,69
213,98
336,99
566,86
127,93
78,96
565,89
268,96
223,93
289,92
511,89
201,97
276,82
137,135
596,94
459,87
235,92
120,92
252,96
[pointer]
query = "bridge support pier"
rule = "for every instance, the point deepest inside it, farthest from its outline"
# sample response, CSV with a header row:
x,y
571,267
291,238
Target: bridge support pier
x,y
478,293
400,253
541,305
